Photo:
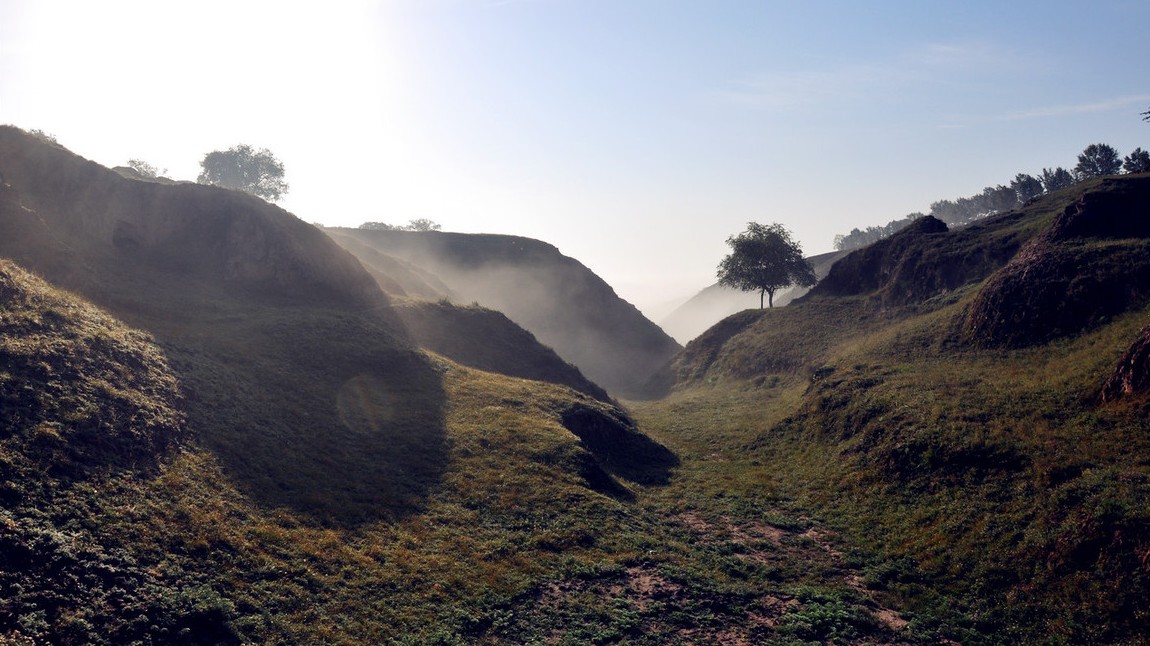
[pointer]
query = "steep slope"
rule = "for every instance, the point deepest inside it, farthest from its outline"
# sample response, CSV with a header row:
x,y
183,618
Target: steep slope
x,y
716,302
556,298
82,220
937,396
1090,264
487,340
86,404
269,323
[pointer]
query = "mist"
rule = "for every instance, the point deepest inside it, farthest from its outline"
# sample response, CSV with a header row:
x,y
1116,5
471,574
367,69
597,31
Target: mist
x,y
556,298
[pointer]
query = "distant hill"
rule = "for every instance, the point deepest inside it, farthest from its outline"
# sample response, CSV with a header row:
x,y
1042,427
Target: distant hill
x,y
716,302
556,298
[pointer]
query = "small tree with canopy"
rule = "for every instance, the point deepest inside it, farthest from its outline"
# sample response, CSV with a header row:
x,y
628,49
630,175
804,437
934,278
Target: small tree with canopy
x,y
1026,187
1098,160
765,258
1137,162
1057,179
242,167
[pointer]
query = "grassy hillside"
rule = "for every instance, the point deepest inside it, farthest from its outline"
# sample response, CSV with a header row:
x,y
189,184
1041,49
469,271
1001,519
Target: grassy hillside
x,y
540,524
245,440
267,464
937,398
556,298
88,407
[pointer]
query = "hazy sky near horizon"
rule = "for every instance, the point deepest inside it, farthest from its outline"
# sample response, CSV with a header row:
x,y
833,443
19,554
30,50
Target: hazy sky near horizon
x,y
634,135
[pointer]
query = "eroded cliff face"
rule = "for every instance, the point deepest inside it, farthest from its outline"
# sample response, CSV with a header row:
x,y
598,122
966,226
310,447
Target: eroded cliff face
x,y
1132,374
1090,264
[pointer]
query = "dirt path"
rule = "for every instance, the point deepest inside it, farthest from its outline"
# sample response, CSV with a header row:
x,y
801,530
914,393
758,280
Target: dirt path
x,y
726,582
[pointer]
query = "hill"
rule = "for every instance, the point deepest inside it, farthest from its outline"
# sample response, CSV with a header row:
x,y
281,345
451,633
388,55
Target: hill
x,y
556,298
946,441
963,406
265,455
716,302
119,527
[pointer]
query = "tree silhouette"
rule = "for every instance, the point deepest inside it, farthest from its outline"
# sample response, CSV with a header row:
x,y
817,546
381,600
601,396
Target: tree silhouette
x,y
764,257
145,169
1025,187
1098,160
1137,162
1057,179
243,168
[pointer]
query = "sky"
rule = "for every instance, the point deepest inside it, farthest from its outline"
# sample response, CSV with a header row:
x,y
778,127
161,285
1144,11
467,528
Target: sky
x,y
634,135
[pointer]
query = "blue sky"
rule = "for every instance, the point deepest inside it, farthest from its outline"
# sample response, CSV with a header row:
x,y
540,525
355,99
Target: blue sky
x,y
634,135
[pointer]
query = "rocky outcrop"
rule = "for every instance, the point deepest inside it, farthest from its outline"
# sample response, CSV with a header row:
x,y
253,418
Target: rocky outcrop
x,y
920,262
1132,375
1091,263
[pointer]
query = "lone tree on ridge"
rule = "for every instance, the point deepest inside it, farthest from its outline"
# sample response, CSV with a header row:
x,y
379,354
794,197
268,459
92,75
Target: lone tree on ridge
x,y
764,257
241,167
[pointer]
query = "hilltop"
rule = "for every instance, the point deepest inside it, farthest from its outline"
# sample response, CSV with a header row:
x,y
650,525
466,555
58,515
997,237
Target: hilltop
x,y
565,305
967,405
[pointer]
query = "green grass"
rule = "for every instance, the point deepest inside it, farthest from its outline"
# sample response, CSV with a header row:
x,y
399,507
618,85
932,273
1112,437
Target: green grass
x,y
508,527
982,489
849,469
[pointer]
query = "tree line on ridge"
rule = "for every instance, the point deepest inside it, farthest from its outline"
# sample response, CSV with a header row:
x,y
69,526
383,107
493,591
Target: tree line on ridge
x,y
1096,160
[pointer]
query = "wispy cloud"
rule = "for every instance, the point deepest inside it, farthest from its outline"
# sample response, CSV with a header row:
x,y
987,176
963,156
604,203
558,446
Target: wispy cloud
x,y
930,63
1132,102
796,89
1118,103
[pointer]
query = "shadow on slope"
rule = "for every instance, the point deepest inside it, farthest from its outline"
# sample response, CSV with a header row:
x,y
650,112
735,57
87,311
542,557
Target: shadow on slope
x,y
297,374
318,411
485,339
612,437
